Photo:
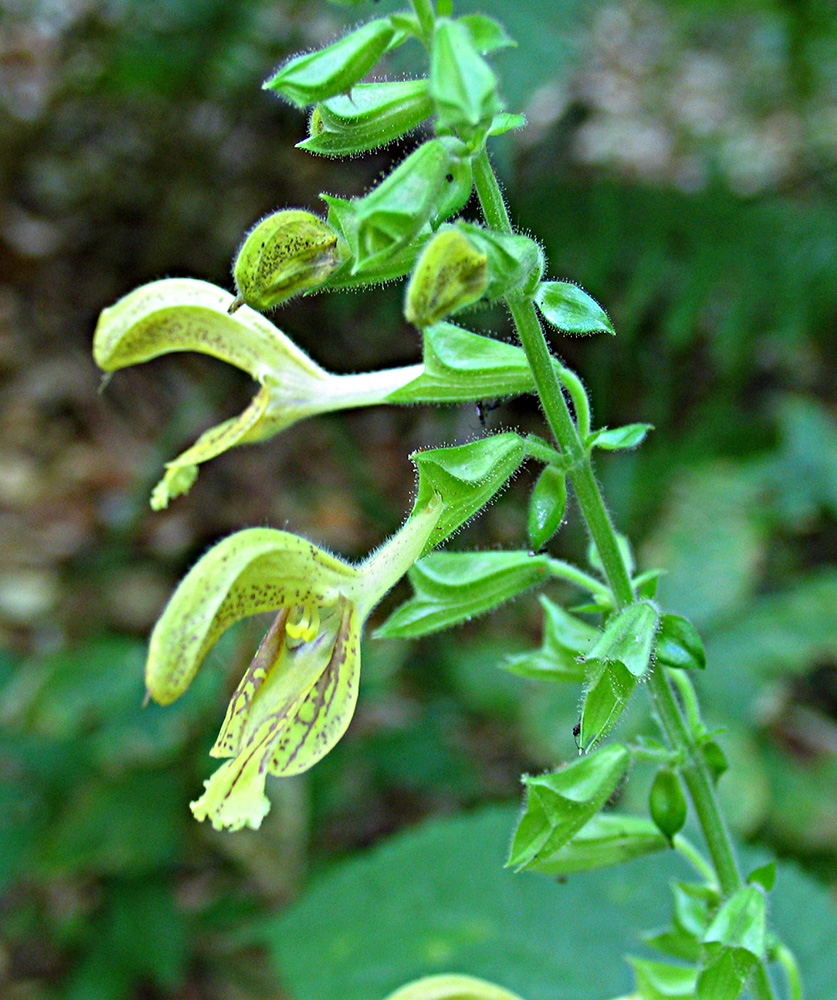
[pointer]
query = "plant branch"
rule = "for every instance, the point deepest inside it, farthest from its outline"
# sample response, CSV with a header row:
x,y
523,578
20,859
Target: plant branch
x,y
695,771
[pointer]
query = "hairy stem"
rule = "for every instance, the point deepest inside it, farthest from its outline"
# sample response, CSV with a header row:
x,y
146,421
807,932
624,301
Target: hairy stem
x,y
695,772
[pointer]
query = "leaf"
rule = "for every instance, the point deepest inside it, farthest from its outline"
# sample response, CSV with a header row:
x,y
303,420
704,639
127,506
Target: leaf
x,y
662,980
486,34
616,438
571,309
629,637
436,899
679,644
315,76
463,366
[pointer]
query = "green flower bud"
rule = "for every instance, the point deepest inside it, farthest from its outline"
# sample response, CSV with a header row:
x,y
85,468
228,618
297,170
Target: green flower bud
x,y
388,219
667,802
315,76
374,114
463,85
547,506
284,254
449,275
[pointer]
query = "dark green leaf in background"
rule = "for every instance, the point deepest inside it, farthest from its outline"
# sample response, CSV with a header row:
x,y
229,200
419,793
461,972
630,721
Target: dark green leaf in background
x,y
436,899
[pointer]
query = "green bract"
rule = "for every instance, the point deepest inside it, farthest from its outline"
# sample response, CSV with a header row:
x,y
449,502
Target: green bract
x,y
607,839
387,219
468,477
287,253
615,664
566,640
315,76
679,644
663,981
298,695
667,802
374,115
453,587
558,805
460,366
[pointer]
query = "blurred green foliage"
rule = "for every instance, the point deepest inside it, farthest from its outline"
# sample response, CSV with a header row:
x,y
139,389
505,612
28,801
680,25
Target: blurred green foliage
x,y
679,165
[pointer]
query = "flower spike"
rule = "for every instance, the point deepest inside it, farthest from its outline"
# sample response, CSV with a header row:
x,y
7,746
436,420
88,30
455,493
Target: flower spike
x,y
298,695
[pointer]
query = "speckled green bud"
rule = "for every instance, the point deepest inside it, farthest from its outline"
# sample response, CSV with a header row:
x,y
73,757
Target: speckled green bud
x,y
285,254
449,275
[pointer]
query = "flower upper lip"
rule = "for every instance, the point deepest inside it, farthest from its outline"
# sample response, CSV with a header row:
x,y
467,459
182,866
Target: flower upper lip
x,y
298,695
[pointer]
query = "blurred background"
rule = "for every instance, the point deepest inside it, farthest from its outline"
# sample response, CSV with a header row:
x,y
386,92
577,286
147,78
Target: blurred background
x,y
679,163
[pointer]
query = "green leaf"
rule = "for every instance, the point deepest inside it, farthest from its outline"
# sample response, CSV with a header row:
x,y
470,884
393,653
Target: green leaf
x,y
570,308
547,506
616,438
487,35
679,644
466,477
607,839
460,366
505,122
662,980
463,85
559,804
382,223
436,897
315,76
452,587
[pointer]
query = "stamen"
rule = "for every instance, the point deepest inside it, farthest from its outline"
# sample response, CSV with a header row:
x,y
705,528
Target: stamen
x,y
303,622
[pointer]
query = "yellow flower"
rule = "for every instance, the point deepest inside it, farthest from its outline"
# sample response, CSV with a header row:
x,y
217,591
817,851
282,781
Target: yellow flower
x,y
451,987
298,695
184,314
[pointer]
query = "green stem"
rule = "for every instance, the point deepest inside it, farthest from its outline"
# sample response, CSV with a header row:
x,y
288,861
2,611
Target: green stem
x,y
572,574
695,772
